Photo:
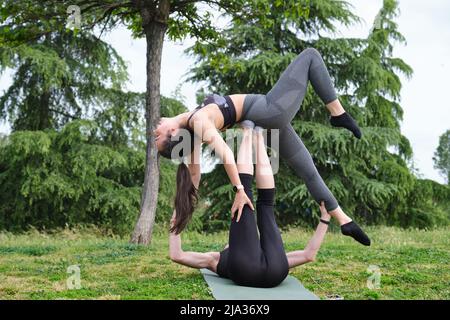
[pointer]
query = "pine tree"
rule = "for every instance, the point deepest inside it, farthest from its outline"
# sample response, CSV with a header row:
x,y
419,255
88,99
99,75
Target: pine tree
x,y
58,77
442,156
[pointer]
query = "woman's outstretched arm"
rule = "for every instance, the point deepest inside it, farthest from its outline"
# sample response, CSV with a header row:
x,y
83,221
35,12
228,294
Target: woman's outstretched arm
x,y
191,259
205,129
299,257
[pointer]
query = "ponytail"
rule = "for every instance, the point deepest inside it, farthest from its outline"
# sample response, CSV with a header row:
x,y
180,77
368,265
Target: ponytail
x,y
185,199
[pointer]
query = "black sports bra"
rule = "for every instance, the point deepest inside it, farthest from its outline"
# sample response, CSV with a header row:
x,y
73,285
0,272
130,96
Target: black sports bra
x,y
225,105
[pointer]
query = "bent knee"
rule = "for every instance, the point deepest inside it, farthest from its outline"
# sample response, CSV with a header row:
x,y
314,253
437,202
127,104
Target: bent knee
x,y
312,51
276,274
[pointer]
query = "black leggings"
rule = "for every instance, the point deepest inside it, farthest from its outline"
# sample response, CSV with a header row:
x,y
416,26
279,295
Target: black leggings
x,y
251,260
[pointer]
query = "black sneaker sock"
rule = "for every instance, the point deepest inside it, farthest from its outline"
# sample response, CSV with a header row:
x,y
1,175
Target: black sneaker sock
x,y
353,230
346,121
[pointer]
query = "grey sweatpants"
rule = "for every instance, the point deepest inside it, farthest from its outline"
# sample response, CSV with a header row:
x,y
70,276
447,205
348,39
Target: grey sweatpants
x,y
277,108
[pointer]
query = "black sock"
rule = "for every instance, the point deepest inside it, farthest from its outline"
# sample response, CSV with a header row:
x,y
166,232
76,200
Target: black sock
x,y
353,230
346,121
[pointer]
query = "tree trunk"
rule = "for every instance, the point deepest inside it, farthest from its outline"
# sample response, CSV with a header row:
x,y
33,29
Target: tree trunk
x,y
154,20
44,111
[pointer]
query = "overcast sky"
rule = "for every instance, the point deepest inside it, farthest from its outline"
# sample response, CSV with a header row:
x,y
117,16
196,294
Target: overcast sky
x,y
426,27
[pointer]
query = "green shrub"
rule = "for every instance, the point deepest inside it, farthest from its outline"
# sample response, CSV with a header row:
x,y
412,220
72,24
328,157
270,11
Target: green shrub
x,y
51,178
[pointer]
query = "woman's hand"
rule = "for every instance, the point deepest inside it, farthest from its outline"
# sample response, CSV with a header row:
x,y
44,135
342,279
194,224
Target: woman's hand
x,y
240,200
324,213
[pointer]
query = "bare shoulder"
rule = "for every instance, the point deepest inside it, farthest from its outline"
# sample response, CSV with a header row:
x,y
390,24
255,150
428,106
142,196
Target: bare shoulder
x,y
200,122
203,115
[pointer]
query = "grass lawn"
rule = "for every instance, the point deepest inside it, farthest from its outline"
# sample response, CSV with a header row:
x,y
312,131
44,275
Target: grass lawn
x,y
413,265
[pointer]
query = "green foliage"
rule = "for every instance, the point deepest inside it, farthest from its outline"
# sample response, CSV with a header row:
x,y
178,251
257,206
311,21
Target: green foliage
x,y
89,172
120,118
51,179
57,78
442,156
429,203
369,177
262,41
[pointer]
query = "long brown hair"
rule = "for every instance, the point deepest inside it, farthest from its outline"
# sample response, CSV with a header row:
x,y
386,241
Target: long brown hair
x,y
185,199
186,195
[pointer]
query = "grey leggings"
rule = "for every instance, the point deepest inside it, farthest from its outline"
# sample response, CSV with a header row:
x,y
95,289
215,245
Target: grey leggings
x,y
277,108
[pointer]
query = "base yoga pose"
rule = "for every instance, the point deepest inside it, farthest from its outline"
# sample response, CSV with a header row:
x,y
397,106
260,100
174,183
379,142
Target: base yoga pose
x,y
276,109
250,260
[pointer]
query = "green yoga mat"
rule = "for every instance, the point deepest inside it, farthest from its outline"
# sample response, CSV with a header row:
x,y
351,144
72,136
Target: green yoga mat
x,y
225,289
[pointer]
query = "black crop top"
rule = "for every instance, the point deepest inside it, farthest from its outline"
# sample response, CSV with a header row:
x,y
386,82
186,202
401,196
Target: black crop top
x,y
225,105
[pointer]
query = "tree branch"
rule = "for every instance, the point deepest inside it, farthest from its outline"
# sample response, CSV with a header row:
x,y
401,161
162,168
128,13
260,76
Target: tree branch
x,y
104,25
181,5
63,113
197,31
108,12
